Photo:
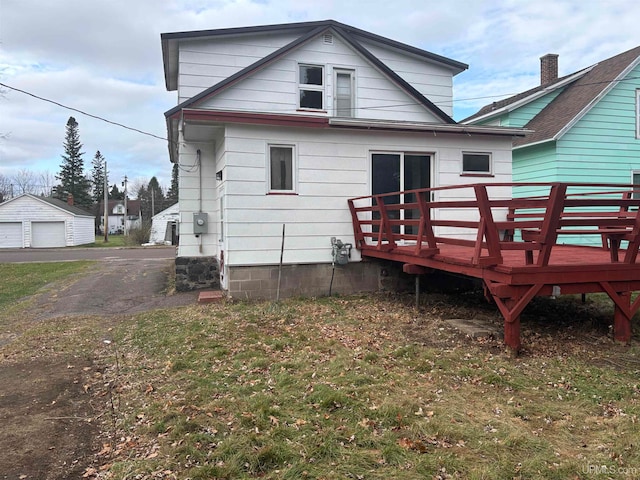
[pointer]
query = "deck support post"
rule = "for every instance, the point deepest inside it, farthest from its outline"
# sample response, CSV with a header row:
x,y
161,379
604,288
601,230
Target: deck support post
x,y
512,329
621,320
623,312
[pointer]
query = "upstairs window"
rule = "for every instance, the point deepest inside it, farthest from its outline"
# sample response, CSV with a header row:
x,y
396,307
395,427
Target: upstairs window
x,y
476,163
344,98
281,168
311,86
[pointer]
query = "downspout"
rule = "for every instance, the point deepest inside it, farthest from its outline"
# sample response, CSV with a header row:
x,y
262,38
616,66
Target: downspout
x,y
199,160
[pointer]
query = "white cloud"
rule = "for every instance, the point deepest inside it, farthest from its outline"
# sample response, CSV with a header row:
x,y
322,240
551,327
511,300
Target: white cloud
x,y
104,57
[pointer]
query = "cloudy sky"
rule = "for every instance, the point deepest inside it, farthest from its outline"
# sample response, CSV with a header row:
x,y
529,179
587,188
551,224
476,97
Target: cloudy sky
x,y
103,57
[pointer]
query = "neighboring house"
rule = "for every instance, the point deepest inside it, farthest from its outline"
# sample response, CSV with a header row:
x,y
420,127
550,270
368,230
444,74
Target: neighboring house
x,y
586,125
117,217
28,221
164,226
281,124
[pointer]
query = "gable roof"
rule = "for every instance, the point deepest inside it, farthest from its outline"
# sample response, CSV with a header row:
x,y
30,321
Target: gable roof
x,y
54,202
308,31
578,97
515,101
133,206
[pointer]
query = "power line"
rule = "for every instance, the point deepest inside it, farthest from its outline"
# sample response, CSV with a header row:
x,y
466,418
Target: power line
x,y
97,117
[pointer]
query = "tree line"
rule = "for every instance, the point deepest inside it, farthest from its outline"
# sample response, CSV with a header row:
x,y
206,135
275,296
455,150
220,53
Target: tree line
x,y
87,187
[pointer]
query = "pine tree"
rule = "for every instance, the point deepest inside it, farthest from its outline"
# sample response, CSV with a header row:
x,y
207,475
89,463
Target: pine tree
x,y
72,177
115,193
151,198
172,194
98,174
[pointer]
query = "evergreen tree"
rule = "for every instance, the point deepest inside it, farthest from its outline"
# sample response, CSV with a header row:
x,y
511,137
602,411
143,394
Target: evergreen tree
x,y
97,187
151,199
172,194
72,177
115,193
98,175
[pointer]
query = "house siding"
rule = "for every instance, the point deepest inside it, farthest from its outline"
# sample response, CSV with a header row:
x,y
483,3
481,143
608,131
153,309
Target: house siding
x,y
433,81
204,63
602,146
274,89
332,166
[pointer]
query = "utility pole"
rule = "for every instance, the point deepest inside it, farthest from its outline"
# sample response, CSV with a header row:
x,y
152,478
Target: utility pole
x,y
106,204
126,213
153,201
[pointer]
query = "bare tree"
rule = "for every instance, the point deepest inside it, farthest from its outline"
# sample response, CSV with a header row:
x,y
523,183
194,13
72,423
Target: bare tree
x,y
47,181
25,182
5,188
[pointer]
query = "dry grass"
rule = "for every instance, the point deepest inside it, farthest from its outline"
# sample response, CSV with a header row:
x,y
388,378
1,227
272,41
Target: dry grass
x,y
367,387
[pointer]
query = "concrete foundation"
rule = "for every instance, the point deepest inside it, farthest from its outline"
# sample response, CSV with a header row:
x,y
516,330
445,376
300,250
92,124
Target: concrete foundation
x,y
260,282
312,280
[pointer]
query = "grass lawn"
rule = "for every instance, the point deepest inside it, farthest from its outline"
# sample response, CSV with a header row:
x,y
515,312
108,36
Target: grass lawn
x,y
360,387
23,279
114,241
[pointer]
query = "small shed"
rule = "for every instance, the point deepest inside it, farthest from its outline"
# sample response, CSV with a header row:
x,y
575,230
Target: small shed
x,y
164,226
29,221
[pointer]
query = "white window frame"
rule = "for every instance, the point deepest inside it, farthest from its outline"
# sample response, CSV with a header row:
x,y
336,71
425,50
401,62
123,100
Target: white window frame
x,y
294,168
638,113
312,88
636,195
478,173
352,77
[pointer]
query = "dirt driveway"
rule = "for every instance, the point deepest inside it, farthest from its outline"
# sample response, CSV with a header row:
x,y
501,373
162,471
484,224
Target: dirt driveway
x,y
48,402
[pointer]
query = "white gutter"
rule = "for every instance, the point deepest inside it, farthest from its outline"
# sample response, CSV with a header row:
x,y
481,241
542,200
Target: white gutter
x,y
369,124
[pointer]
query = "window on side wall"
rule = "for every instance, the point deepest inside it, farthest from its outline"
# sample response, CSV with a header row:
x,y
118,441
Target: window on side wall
x,y
635,179
344,104
281,169
311,79
638,113
476,163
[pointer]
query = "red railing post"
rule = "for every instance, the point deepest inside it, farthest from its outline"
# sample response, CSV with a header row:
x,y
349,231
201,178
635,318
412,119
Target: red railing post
x,y
425,229
385,226
486,229
357,229
551,222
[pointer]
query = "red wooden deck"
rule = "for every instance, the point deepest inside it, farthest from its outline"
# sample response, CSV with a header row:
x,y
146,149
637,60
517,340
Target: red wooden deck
x,y
520,248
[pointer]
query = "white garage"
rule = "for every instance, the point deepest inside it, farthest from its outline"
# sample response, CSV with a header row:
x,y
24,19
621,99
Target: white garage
x,y
48,234
29,221
11,234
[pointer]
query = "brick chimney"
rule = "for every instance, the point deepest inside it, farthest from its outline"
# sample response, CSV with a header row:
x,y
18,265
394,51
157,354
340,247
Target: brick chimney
x,y
548,68
70,199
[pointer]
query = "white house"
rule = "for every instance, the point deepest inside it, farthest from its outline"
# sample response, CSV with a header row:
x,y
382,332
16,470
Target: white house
x,y
28,221
281,124
116,217
164,225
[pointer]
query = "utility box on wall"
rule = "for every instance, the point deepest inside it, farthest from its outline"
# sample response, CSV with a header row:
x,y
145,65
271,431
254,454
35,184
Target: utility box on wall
x,y
200,223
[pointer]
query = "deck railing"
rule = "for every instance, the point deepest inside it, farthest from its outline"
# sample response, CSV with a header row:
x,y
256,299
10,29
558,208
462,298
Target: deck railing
x,y
483,217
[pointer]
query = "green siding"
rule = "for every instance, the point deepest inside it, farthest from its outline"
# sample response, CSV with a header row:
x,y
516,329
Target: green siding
x,y
602,146
523,115
534,164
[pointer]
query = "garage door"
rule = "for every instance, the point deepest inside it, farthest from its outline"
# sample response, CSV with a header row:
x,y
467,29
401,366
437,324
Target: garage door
x,y
10,234
47,234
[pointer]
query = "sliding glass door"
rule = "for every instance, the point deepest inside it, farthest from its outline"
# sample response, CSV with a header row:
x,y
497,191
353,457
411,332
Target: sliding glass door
x,y
395,172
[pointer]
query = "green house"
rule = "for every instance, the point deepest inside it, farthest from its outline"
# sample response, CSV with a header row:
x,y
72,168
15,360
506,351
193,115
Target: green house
x,y
585,126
